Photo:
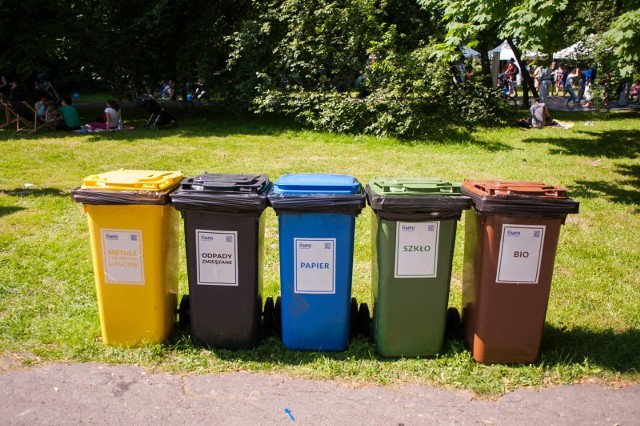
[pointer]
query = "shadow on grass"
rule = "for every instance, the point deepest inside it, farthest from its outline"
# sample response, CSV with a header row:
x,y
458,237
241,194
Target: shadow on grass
x,y
612,191
212,121
7,210
198,121
456,136
613,144
607,349
36,192
561,347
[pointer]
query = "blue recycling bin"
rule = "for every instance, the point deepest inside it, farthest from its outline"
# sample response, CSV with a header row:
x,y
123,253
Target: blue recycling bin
x,y
316,218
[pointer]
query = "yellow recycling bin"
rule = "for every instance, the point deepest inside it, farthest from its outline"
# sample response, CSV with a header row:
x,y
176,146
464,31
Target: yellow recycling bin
x,y
134,245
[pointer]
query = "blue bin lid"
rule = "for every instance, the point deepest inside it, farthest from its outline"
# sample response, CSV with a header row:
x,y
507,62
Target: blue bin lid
x,y
316,183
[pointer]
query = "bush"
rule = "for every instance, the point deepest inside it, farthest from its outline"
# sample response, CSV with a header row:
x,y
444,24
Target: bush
x,y
390,110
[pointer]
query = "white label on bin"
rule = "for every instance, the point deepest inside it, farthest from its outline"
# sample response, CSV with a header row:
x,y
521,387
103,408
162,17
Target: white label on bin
x,y
417,249
122,256
315,260
217,257
520,254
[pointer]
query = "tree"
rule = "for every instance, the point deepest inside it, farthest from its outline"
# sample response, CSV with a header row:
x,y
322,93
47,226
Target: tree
x,y
37,37
524,21
624,34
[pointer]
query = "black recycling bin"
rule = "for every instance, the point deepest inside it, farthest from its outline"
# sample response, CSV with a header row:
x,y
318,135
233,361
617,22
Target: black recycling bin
x,y
224,233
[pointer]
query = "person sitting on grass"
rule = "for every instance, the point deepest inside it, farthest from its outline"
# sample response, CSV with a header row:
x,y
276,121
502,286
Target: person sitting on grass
x,y
111,117
634,94
70,119
540,116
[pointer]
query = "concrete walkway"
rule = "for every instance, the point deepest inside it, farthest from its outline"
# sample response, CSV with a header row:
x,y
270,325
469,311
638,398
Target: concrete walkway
x,y
128,395
558,103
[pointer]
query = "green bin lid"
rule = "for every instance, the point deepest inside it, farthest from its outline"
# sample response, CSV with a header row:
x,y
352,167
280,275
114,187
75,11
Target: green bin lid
x,y
416,198
413,186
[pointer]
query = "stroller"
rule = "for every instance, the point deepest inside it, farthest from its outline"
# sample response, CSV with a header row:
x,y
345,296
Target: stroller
x,y
159,115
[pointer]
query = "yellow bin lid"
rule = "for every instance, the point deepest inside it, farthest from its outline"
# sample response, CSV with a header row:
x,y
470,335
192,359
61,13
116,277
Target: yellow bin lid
x,y
133,180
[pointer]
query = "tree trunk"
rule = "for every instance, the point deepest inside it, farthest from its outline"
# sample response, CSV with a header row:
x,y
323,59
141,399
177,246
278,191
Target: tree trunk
x,y
526,77
485,61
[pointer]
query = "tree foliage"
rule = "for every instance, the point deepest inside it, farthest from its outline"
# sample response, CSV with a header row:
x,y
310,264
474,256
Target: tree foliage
x,y
309,58
624,35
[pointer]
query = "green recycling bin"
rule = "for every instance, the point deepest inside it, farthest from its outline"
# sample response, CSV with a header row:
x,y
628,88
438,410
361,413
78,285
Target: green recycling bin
x,y
413,233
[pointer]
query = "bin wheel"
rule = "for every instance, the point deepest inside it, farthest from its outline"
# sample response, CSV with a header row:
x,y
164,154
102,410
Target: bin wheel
x,y
364,320
153,127
353,317
454,325
268,315
184,311
277,316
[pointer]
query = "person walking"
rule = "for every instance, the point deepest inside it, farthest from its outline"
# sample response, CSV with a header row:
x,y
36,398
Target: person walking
x,y
571,78
545,82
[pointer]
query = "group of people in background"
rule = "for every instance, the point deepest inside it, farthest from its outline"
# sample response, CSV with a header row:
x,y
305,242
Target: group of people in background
x,y
64,116
550,79
57,110
567,79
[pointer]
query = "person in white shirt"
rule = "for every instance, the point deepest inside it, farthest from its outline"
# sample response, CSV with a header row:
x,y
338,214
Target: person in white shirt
x,y
112,117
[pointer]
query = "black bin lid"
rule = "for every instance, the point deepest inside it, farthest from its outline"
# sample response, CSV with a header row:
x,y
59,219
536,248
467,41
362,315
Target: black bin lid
x,y
216,182
232,193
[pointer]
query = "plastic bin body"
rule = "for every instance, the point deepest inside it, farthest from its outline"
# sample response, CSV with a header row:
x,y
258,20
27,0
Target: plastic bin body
x,y
224,238
316,239
316,315
135,253
509,256
413,235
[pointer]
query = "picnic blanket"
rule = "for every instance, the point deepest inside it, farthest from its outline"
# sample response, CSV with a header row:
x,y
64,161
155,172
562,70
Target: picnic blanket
x,y
562,124
88,129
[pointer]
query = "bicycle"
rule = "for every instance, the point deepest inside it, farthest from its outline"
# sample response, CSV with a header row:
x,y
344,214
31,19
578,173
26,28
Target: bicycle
x,y
503,85
511,102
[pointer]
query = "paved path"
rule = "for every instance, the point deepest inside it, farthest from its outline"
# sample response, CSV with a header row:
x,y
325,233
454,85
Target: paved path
x,y
558,103
128,395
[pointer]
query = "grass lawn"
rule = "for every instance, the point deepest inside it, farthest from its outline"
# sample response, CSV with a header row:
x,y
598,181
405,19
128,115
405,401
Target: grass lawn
x,y
48,307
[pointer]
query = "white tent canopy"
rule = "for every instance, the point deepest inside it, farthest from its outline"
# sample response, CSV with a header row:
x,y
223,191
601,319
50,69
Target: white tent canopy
x,y
579,50
506,53
470,53
503,53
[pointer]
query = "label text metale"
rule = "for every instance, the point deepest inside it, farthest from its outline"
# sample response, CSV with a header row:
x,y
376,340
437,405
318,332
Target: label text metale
x,y
117,252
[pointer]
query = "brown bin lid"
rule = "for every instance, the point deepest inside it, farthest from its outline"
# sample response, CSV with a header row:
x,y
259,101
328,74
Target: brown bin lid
x,y
519,197
515,187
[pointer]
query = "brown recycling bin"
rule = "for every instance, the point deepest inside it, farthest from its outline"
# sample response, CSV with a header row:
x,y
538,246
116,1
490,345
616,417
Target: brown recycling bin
x,y
511,237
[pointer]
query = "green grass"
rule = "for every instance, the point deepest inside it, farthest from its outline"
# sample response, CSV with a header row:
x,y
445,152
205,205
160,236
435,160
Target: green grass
x,y
48,308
